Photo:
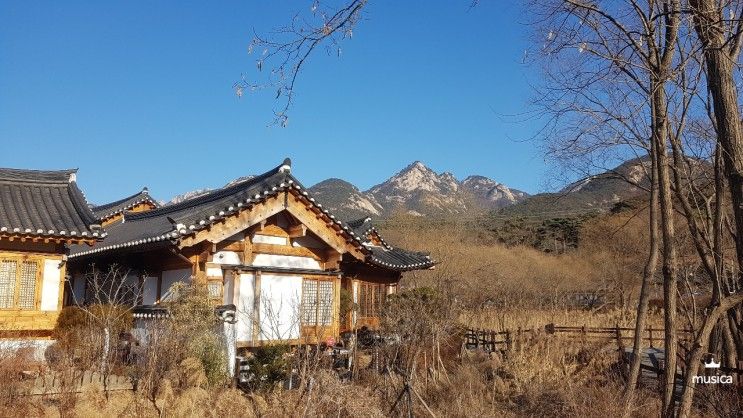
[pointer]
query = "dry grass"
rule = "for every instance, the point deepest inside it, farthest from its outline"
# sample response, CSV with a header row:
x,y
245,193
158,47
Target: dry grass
x,y
495,287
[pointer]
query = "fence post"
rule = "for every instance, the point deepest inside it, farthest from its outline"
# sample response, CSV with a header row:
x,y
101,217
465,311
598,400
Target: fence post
x,y
492,341
519,342
477,338
619,338
650,331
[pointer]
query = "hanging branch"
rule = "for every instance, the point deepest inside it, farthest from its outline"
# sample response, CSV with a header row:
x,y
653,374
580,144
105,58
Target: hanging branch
x,y
287,49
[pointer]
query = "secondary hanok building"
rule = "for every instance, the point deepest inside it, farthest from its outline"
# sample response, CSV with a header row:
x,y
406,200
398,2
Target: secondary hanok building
x,y
264,245
42,213
114,211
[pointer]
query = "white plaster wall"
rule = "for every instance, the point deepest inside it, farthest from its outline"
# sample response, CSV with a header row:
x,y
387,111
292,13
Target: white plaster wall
x,y
171,277
264,260
50,285
226,257
213,271
149,291
245,307
355,292
38,347
279,306
268,239
308,242
229,288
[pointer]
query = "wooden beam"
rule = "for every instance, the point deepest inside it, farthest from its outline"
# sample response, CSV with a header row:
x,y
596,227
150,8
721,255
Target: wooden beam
x,y
332,260
297,231
259,248
235,223
247,251
333,238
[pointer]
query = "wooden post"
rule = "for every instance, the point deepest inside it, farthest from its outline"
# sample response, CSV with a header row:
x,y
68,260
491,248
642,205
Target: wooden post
x,y
650,331
477,338
583,334
492,340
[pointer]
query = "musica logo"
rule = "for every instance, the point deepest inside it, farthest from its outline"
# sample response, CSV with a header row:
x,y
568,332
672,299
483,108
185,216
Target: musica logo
x,y
710,363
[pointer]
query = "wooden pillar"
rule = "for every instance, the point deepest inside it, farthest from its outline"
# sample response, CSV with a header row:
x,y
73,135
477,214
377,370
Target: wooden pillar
x,y
256,306
159,287
247,255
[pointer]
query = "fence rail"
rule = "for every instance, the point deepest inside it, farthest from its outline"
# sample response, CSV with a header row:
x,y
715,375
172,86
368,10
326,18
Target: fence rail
x,y
491,340
650,334
502,341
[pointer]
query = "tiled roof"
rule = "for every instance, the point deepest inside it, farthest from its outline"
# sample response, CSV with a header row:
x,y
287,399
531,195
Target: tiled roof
x,y
46,204
386,256
399,259
171,222
110,209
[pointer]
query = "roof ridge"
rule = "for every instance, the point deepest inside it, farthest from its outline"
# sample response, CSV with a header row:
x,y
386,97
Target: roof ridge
x,y
20,175
213,194
143,192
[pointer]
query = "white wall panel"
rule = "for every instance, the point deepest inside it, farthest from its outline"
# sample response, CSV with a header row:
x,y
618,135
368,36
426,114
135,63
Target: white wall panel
x,y
50,286
246,289
268,239
226,257
279,306
265,260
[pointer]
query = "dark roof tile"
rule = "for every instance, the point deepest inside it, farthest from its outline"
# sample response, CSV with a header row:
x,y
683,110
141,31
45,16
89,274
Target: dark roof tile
x,y
113,208
44,203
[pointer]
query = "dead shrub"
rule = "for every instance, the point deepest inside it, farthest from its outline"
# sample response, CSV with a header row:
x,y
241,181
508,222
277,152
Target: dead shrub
x,y
232,403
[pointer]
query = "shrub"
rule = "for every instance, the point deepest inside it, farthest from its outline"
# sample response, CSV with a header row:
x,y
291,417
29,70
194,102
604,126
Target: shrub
x,y
269,366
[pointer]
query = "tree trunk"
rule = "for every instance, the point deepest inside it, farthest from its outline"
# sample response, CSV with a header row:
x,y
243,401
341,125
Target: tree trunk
x,y
721,84
648,273
698,349
659,134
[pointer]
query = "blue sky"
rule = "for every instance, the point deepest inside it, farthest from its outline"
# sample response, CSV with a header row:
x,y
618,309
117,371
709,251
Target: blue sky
x,y
140,93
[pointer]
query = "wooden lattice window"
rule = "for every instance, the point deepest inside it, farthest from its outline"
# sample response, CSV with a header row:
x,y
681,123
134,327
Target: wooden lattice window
x,y
371,297
19,282
215,289
317,302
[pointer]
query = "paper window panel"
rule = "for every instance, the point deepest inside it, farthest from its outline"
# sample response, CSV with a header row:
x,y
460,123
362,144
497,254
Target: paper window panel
x,y
27,288
309,302
8,271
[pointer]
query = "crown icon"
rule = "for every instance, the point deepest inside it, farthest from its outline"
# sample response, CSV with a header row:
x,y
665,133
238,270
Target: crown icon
x,y
711,364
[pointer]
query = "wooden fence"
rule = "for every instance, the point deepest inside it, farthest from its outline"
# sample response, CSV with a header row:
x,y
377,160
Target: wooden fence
x,y
502,341
491,340
71,382
654,336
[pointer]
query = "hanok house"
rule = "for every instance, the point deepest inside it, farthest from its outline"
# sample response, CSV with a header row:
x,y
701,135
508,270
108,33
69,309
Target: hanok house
x,y
264,245
42,213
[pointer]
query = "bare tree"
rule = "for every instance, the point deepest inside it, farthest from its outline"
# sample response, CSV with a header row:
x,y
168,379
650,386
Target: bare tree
x,y
108,302
619,58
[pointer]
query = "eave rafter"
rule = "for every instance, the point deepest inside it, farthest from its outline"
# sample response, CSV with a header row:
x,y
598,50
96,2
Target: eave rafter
x,y
47,239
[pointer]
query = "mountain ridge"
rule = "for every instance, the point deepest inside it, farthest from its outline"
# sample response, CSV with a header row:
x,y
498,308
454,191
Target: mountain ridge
x,y
420,191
